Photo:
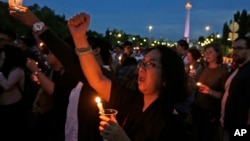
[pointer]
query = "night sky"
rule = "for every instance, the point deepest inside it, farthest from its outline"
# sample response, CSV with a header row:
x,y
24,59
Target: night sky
x,y
166,16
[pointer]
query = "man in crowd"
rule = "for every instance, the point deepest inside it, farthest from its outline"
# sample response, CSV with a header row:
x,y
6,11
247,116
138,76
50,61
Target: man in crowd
x,y
182,47
235,113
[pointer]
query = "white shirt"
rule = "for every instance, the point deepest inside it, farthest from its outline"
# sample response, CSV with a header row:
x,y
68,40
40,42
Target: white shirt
x,y
71,126
224,98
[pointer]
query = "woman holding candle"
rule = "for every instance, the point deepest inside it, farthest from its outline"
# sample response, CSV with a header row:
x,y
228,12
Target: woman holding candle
x,y
206,109
192,68
161,83
193,55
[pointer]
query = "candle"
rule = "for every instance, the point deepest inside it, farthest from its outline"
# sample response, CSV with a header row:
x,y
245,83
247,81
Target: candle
x,y
120,58
15,2
191,67
198,83
99,105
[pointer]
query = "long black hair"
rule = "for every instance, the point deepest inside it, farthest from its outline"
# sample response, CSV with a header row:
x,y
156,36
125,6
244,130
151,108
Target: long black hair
x,y
174,87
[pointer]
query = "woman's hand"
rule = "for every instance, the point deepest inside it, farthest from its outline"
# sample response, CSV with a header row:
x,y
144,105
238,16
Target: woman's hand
x,y
204,89
32,65
78,25
111,130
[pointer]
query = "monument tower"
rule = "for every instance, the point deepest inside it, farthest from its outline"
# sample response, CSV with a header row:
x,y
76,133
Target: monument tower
x,y
188,6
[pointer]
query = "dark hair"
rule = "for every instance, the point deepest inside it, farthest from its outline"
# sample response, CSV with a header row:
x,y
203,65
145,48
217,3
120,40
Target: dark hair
x,y
105,46
195,53
246,39
218,50
14,57
118,46
28,41
183,43
129,61
128,43
11,34
173,74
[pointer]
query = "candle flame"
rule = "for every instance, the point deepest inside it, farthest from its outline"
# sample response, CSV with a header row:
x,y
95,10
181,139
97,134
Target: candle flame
x,y
41,44
120,58
191,67
97,99
198,83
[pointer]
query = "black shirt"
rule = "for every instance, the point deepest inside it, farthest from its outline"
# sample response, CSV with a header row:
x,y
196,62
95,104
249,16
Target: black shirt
x,y
156,123
238,100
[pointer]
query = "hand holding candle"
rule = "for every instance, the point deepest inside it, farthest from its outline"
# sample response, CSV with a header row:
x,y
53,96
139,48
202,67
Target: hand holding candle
x,y
99,105
192,71
203,88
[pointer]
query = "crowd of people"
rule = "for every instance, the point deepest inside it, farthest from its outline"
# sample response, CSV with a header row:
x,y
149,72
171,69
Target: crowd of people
x,y
48,90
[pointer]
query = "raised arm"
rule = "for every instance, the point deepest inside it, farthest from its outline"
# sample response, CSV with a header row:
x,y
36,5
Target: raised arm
x,y
78,26
59,48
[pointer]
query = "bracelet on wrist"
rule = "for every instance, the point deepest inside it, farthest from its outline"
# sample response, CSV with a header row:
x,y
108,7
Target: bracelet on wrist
x,y
83,51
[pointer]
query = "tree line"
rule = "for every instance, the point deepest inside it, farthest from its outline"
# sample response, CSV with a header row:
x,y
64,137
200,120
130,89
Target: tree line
x,y
58,24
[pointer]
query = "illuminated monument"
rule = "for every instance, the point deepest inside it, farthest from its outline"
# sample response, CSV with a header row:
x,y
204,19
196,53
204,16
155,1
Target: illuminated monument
x,y
188,6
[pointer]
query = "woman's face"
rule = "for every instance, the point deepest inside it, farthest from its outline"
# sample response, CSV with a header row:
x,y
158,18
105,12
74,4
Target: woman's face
x,y
210,55
190,58
150,73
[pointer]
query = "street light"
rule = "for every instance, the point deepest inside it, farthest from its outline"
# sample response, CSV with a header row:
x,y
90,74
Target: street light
x,y
207,28
218,36
150,29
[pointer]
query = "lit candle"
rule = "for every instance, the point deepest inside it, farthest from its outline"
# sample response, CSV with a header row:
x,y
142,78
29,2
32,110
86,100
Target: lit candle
x,y
15,2
198,83
120,58
191,67
99,105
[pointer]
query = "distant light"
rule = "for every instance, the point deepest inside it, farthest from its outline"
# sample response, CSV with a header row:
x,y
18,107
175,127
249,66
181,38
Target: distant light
x,y
150,27
218,36
207,28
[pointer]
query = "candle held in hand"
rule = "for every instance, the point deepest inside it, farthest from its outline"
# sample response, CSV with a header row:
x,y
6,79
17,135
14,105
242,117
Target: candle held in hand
x,y
99,105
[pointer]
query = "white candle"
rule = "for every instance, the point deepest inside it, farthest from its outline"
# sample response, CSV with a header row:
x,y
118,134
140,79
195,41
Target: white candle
x,y
99,104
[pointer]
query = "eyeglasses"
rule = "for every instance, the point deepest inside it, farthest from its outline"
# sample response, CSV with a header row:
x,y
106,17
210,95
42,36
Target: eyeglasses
x,y
147,65
239,48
